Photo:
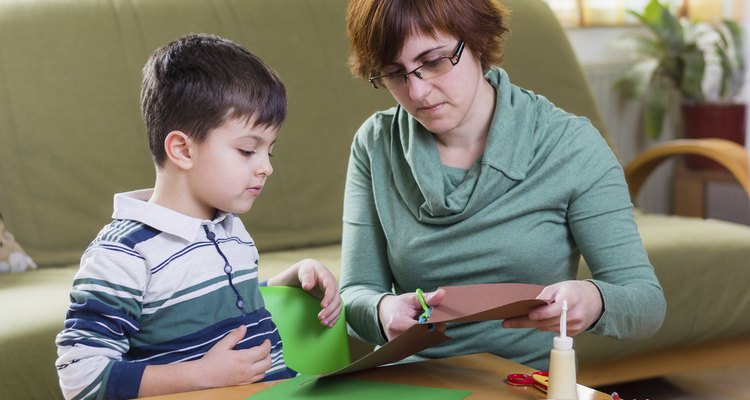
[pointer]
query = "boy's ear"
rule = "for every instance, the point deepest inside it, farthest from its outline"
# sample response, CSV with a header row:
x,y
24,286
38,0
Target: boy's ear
x,y
177,145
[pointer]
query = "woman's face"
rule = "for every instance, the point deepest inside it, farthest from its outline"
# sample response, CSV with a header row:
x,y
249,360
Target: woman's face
x,y
443,104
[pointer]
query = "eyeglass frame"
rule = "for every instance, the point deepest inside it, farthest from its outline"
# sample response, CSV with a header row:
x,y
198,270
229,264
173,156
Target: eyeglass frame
x,y
456,55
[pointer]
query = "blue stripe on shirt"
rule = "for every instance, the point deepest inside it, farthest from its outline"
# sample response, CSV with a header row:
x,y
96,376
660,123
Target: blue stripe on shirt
x,y
194,345
129,233
101,320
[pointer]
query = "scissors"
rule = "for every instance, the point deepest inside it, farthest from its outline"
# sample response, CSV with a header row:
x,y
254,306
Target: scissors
x,y
537,379
425,316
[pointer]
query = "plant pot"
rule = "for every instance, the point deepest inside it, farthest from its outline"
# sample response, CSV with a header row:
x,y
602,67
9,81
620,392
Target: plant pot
x,y
723,121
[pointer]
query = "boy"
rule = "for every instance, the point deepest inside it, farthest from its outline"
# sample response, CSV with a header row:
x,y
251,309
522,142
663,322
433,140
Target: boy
x,y
166,298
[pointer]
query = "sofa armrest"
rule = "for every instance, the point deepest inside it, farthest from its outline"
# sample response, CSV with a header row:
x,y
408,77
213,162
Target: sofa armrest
x,y
729,154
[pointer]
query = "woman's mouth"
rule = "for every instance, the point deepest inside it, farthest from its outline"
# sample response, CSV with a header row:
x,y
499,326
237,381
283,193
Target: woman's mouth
x,y
431,108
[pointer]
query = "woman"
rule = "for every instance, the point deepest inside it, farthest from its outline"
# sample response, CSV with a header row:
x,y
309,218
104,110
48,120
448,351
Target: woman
x,y
471,179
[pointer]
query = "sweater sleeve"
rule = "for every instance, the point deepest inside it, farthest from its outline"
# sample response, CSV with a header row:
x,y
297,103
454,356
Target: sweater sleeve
x,y
601,220
365,272
106,303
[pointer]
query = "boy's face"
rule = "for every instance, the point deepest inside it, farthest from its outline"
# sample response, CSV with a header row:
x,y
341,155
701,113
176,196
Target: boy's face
x,y
230,168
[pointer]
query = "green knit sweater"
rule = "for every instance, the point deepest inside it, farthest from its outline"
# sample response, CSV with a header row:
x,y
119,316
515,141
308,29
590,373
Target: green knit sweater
x,y
546,191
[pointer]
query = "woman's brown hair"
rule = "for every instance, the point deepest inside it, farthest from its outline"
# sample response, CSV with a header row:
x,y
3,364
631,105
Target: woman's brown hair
x,y
378,28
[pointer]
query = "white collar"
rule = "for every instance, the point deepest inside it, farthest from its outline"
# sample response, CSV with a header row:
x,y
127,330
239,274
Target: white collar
x,y
135,206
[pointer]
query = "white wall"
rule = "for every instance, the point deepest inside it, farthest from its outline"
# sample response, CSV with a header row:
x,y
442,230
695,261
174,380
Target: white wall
x,y
595,45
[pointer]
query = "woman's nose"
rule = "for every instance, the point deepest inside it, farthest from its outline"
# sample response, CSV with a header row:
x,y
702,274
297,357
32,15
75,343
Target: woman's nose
x,y
418,87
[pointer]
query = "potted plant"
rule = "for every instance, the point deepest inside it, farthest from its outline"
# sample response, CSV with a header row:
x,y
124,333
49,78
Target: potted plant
x,y
695,68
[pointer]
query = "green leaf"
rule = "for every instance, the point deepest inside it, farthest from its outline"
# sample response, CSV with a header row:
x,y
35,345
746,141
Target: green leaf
x,y
738,40
635,82
648,47
662,23
693,67
726,70
656,109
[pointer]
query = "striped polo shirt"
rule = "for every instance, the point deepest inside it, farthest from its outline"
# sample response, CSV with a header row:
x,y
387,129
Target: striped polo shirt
x,y
159,287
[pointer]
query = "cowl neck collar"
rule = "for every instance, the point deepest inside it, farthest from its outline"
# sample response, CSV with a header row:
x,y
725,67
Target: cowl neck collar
x,y
420,176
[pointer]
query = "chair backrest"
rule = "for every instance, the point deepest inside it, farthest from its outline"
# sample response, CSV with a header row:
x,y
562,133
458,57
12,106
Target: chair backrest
x,y
309,347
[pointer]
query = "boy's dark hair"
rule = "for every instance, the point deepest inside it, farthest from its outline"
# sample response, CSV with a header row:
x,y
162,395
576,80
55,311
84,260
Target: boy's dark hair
x,y
198,81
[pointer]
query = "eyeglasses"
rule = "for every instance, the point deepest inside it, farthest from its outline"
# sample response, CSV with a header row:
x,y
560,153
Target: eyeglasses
x,y
428,70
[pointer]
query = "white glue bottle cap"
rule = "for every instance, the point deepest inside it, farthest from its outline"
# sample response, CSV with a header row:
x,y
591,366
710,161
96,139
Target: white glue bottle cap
x,y
562,363
563,342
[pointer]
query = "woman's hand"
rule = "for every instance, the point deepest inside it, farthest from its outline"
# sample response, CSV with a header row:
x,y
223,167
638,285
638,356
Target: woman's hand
x,y
399,313
585,306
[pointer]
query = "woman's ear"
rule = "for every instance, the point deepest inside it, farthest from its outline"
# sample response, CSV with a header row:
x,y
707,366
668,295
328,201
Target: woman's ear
x,y
177,146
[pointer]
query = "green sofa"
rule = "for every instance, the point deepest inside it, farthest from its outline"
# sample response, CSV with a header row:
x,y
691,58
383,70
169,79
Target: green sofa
x,y
71,136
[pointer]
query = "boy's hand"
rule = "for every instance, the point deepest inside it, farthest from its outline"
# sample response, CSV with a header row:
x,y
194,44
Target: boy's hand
x,y
225,366
315,278
221,366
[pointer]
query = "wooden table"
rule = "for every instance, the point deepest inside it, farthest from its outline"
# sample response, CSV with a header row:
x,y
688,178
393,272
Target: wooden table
x,y
483,374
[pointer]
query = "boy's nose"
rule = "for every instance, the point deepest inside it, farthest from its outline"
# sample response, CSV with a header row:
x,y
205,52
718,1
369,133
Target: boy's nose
x,y
265,168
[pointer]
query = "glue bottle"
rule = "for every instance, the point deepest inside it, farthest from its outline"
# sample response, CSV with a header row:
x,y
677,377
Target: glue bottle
x,y
562,363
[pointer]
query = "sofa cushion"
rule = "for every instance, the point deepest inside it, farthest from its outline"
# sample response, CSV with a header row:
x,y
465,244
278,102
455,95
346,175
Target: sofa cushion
x,y
702,266
34,305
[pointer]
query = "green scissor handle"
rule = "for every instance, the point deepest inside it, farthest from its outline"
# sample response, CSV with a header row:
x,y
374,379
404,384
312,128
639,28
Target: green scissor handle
x,y
420,297
427,309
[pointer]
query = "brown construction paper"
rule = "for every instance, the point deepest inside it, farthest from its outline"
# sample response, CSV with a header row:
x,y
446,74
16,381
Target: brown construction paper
x,y
413,340
468,303
483,302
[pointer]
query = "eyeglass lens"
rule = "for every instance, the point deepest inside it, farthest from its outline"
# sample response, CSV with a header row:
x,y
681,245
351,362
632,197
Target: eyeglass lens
x,y
428,70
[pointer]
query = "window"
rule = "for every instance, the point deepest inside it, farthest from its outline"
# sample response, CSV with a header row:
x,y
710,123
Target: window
x,y
581,13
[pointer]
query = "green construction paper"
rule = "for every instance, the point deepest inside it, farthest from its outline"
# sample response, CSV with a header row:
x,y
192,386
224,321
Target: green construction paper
x,y
343,388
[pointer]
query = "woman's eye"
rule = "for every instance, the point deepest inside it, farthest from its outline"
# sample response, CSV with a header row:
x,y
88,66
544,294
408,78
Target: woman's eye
x,y
270,155
246,153
433,63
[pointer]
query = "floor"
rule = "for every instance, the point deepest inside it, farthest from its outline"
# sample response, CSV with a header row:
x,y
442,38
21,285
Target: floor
x,y
728,383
